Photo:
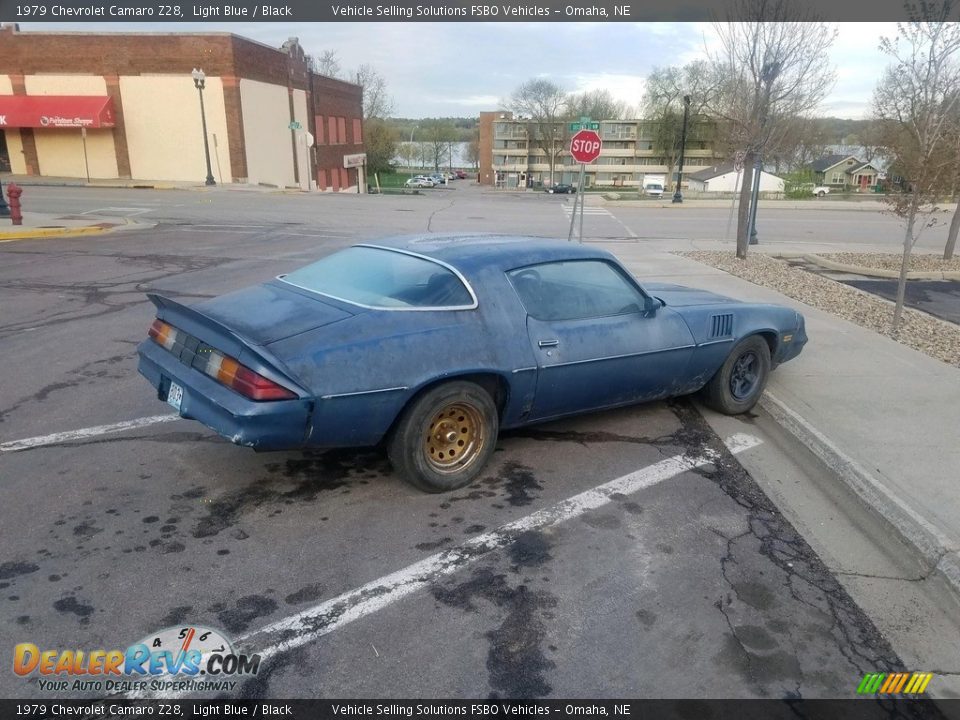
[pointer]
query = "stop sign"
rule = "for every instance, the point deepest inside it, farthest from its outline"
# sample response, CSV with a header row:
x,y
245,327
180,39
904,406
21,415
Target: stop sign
x,y
585,146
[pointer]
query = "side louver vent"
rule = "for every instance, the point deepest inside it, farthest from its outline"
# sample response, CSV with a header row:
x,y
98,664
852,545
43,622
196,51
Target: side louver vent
x,y
721,325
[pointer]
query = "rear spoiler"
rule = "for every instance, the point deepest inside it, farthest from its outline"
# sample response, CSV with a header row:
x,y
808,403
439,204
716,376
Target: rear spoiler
x,y
226,340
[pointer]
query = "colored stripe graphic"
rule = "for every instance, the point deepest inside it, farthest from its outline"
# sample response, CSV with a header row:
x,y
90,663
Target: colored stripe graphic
x,y
894,683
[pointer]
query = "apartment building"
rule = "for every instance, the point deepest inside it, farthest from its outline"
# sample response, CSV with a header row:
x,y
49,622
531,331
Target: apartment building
x,y
513,153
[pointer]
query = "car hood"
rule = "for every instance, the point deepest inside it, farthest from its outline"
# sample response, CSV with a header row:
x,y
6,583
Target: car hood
x,y
680,296
266,313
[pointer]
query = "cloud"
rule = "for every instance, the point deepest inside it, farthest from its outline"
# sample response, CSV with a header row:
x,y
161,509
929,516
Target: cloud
x,y
435,69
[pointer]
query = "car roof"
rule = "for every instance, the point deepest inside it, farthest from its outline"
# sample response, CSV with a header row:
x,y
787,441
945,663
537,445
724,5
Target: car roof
x,y
471,252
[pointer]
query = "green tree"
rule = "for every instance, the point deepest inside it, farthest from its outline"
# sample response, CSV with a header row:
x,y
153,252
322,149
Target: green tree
x,y
798,184
380,143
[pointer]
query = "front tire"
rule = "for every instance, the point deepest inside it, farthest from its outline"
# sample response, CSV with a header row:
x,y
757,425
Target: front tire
x,y
445,437
738,384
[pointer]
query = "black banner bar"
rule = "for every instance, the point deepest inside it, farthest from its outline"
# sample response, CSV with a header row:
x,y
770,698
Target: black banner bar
x,y
177,11
855,709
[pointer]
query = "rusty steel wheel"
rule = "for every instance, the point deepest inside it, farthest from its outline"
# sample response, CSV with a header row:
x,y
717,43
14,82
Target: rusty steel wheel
x,y
443,439
455,437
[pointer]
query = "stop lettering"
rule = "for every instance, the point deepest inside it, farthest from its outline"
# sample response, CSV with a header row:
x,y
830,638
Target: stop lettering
x,y
585,146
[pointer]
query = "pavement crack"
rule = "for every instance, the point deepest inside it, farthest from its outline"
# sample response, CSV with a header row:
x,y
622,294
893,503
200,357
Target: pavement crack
x,y
439,210
869,576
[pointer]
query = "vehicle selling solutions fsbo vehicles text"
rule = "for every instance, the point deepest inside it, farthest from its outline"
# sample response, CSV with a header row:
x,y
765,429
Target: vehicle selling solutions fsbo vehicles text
x,y
428,11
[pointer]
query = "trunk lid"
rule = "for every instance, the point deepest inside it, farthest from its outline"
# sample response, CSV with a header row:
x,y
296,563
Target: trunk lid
x,y
269,312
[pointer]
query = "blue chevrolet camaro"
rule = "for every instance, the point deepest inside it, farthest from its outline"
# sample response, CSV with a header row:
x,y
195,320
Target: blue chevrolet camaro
x,y
432,344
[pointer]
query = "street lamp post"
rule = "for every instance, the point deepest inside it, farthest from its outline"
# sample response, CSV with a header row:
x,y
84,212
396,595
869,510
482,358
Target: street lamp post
x,y
677,195
754,197
768,74
199,81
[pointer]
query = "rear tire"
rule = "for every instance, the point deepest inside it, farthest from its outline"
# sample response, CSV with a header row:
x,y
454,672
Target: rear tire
x,y
738,384
445,437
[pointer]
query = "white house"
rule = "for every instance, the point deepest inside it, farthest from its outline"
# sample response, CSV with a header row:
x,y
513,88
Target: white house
x,y
723,178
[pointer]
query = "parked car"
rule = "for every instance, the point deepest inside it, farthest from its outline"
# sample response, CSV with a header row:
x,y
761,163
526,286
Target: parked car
x,y
821,190
420,182
461,175
561,188
438,179
433,344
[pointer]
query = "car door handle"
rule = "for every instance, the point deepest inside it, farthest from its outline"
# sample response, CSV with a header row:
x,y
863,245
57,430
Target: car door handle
x,y
548,343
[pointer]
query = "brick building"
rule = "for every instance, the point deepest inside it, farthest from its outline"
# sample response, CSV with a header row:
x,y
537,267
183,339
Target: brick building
x,y
112,105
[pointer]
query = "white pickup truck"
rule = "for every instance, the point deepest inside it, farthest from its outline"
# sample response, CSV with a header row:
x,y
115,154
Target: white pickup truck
x,y
821,190
653,185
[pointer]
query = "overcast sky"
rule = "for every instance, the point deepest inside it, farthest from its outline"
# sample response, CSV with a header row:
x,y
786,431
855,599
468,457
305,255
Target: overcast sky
x,y
459,69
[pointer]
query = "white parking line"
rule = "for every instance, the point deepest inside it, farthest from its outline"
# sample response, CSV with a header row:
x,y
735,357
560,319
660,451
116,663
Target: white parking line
x,y
324,618
84,433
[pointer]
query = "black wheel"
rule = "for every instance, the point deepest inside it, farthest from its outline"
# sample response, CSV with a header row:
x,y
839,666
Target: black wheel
x,y
445,437
821,193
739,383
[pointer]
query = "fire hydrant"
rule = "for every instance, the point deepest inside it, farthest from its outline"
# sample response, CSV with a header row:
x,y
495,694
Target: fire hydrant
x,y
13,194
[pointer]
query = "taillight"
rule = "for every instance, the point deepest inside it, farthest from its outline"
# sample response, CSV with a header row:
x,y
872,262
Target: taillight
x,y
163,333
229,372
224,369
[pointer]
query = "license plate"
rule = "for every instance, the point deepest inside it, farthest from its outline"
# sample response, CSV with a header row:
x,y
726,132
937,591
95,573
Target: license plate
x,y
175,395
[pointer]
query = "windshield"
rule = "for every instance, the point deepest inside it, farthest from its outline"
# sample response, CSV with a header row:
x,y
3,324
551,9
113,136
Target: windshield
x,y
381,278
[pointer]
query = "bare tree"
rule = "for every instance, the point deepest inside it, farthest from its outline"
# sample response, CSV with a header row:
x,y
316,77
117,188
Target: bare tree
x,y
377,102
663,104
595,104
473,149
801,141
326,63
870,139
915,101
438,133
543,102
772,68
954,230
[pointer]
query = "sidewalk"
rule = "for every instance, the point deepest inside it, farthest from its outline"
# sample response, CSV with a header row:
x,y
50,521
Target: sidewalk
x,y
883,417
122,183
40,225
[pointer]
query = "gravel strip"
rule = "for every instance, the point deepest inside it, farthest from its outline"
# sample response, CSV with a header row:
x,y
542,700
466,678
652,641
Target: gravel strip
x,y
888,261
929,335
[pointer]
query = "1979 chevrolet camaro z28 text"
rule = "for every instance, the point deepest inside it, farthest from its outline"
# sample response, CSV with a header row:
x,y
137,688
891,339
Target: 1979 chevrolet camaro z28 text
x,y
432,344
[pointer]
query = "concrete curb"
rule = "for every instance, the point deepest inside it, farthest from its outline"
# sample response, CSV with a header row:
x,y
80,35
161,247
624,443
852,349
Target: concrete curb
x,y
36,233
877,272
916,531
40,233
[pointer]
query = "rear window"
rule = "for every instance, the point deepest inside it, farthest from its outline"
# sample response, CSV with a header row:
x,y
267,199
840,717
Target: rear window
x,y
387,279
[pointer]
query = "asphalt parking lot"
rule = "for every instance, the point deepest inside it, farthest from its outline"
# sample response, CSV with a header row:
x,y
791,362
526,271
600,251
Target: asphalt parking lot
x,y
620,554
940,298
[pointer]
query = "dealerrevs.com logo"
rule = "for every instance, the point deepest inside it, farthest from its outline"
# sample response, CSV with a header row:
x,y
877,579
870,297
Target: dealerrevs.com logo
x,y
177,659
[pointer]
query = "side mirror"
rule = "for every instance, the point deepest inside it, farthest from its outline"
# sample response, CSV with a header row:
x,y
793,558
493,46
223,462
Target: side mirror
x,y
651,305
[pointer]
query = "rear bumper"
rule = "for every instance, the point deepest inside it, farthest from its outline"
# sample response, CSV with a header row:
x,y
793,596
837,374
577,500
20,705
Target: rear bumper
x,y
277,425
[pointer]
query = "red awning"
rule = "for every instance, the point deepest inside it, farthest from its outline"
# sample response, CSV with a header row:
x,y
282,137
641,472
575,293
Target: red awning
x,y
56,111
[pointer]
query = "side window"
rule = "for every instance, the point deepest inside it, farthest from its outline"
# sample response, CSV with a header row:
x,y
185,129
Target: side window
x,y
574,290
